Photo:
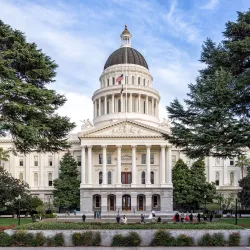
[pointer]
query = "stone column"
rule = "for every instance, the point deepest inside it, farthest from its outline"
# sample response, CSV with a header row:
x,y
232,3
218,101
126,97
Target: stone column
x,y
139,104
104,163
147,105
130,102
163,172
118,199
133,165
169,165
83,166
148,164
105,105
113,104
210,165
90,165
99,100
134,201
122,103
225,173
152,106
148,201
119,167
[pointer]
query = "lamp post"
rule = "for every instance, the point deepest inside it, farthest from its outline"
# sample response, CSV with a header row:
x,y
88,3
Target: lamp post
x,y
19,200
205,197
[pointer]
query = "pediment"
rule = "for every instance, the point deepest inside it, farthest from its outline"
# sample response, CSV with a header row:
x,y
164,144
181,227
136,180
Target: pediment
x,y
124,129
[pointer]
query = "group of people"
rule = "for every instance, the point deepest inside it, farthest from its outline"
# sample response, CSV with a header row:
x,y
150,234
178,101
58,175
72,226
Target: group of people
x,y
189,217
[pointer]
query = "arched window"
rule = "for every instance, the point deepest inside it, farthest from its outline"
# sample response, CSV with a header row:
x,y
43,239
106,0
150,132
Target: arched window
x,y
21,176
231,178
133,80
144,82
144,107
152,177
109,177
50,179
35,179
217,179
100,177
142,177
119,105
139,80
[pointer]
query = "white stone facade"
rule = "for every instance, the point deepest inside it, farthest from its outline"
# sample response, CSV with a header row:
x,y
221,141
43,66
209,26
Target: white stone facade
x,y
124,160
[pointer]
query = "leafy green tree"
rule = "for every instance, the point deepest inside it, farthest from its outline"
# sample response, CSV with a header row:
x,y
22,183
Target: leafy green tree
x,y
181,181
28,108
4,155
10,187
201,190
67,187
215,118
244,194
242,162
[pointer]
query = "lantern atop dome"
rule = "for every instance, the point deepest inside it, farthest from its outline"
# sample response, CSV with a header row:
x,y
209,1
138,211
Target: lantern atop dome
x,y
126,37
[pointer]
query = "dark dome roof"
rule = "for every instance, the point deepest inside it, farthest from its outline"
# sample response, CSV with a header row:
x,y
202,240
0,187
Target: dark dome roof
x,y
119,57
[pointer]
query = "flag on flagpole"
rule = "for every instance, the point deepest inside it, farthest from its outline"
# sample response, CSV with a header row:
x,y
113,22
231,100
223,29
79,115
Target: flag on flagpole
x,y
119,78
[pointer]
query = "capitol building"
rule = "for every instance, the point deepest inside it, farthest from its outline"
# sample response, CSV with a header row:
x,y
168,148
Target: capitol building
x,y
123,157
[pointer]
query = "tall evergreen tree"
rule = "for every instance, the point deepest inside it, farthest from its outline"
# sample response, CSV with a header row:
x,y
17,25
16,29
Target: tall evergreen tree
x,y
244,194
67,187
215,120
27,107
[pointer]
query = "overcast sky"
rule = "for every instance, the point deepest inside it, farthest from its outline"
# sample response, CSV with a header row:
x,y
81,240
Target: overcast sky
x,y
80,35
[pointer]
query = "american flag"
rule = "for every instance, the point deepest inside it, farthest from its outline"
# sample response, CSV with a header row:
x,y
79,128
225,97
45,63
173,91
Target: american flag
x,y
119,78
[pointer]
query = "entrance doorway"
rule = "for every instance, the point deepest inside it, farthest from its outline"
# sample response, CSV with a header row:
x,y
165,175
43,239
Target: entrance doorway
x,y
111,202
126,177
140,202
126,202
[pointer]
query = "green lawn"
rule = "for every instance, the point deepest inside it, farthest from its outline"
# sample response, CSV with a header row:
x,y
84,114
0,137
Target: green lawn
x,y
10,221
241,221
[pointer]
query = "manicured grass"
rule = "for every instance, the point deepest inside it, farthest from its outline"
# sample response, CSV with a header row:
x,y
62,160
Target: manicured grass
x,y
245,222
114,226
13,221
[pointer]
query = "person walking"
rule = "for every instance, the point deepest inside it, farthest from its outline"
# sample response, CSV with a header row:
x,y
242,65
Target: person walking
x,y
159,219
182,217
124,219
142,218
150,217
191,217
118,218
199,217
83,218
177,217
74,211
211,217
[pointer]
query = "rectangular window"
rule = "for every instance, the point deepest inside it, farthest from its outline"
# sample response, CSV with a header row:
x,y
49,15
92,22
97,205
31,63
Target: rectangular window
x,y
100,158
97,201
50,161
21,162
217,183
152,160
143,159
113,80
35,161
78,159
231,162
109,161
108,82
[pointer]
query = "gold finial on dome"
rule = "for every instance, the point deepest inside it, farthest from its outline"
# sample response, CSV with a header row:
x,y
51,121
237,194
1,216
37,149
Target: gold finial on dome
x,y
126,37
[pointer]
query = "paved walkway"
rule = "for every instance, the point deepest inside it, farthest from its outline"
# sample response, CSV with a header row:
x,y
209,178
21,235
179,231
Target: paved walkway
x,y
127,248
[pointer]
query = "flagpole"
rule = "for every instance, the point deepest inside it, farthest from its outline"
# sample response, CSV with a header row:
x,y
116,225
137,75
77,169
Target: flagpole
x,y
126,83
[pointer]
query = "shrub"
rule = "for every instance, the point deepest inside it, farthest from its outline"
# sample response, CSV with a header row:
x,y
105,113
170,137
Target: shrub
x,y
56,241
162,238
5,239
133,239
39,240
97,239
22,238
82,239
234,239
118,241
184,240
217,239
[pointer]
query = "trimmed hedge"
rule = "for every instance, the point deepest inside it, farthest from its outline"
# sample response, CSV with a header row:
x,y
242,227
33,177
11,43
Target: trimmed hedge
x,y
184,240
115,226
86,239
234,239
216,239
5,240
56,241
132,240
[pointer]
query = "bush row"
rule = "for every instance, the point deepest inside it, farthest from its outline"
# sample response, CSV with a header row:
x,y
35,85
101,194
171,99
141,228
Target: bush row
x,y
161,238
24,239
115,226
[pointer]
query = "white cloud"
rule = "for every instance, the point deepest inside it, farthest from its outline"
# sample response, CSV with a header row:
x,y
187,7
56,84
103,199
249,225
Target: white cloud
x,y
212,4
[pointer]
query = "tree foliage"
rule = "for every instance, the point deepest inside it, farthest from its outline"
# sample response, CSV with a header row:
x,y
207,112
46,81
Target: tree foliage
x,y
244,194
67,187
190,186
215,118
27,107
